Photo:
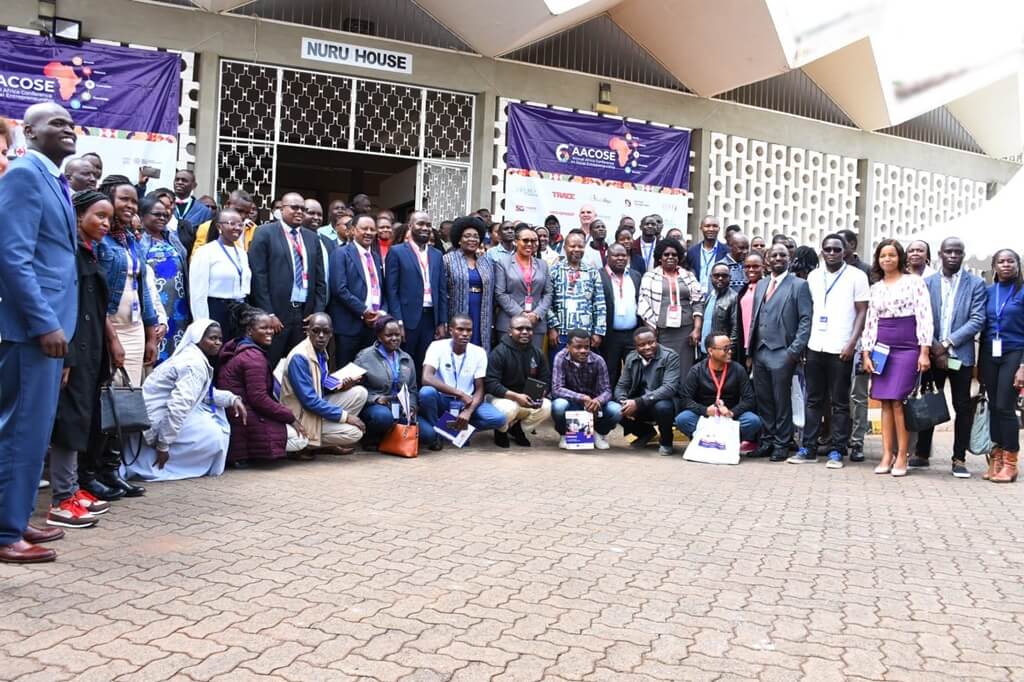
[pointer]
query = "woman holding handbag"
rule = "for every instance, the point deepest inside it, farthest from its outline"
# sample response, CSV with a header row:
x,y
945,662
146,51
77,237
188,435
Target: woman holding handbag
x,y
91,353
388,368
900,317
1002,363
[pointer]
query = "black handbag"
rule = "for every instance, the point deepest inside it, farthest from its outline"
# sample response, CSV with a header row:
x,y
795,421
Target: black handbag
x,y
925,408
123,412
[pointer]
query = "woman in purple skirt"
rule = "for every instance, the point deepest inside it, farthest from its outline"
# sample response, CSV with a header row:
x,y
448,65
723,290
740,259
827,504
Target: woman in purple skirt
x,y
899,316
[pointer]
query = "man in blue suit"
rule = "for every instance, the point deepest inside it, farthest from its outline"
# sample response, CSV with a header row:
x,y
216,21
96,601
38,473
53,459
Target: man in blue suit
x,y
38,311
418,289
703,256
958,314
357,290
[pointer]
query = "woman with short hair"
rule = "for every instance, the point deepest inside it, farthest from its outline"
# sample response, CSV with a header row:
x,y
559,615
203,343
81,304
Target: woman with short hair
x,y
671,302
470,279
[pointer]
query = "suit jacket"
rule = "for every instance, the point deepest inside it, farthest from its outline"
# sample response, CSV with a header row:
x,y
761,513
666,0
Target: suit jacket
x,y
404,285
968,313
784,322
694,259
38,278
349,288
510,292
609,293
270,259
664,385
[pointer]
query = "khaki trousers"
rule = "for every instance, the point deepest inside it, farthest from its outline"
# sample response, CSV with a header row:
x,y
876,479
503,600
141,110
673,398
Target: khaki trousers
x,y
514,412
341,434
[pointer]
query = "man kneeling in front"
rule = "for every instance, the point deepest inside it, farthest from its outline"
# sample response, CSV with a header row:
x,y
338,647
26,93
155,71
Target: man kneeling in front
x,y
717,386
579,381
648,391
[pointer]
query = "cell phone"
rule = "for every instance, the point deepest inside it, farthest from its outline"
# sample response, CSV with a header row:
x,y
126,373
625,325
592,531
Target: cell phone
x,y
954,364
150,172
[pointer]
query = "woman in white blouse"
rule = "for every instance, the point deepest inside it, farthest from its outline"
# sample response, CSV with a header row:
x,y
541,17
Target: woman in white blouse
x,y
219,274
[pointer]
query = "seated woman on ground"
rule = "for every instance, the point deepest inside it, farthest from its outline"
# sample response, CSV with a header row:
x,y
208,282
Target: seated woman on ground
x,y
388,368
189,431
244,370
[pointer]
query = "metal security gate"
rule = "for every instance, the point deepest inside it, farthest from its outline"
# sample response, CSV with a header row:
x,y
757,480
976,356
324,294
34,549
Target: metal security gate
x,y
265,107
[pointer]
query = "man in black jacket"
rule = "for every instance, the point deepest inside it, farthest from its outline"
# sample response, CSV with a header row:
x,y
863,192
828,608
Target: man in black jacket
x,y
648,391
510,364
721,308
621,288
702,396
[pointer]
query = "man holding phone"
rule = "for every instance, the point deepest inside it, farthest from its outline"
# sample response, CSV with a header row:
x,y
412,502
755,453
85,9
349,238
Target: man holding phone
x,y
516,383
958,314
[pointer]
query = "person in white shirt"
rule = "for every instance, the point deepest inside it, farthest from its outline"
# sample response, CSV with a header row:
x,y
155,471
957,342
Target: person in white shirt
x,y
840,296
219,274
453,382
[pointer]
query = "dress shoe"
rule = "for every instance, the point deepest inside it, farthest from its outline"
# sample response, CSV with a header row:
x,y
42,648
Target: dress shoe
x,y
644,433
857,455
22,552
114,480
501,439
779,455
518,437
101,490
37,536
438,444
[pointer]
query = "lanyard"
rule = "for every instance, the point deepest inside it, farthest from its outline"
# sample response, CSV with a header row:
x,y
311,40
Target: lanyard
x,y
527,277
180,214
424,261
621,281
394,368
719,383
235,262
209,396
830,287
296,244
136,272
647,253
705,260
673,288
1000,308
458,373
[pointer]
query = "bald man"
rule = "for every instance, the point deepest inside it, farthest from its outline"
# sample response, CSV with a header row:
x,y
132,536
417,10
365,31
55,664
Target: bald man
x,y
288,279
81,174
38,314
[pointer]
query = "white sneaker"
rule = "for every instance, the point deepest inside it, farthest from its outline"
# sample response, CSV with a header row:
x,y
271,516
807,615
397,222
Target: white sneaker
x,y
562,444
43,483
600,443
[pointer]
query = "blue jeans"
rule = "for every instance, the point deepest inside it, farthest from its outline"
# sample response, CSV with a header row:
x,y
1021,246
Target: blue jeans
x,y
750,424
612,414
486,417
378,421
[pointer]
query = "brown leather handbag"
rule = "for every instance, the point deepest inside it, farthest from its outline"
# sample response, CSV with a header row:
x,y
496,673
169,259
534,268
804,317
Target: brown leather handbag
x,y
403,440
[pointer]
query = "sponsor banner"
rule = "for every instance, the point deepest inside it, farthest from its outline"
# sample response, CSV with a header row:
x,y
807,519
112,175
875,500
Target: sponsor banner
x,y
356,55
598,147
102,86
532,196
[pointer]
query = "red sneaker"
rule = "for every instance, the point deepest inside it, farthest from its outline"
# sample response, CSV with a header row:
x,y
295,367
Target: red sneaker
x,y
748,446
70,514
91,503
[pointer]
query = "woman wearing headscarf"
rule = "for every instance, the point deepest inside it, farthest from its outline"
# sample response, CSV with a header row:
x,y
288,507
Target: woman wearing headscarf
x,y
168,261
470,279
189,432
86,367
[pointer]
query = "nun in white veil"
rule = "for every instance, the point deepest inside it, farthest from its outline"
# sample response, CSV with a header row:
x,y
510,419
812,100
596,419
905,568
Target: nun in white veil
x,y
189,432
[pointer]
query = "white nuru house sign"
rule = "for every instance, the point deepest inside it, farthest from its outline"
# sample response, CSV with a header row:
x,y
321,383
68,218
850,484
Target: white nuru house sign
x,y
356,55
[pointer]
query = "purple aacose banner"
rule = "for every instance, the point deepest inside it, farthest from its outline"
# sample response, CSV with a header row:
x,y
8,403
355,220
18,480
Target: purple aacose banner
x,y
541,139
100,85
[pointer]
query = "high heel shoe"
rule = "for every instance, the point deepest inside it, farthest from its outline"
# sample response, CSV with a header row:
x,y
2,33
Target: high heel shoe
x,y
899,472
883,468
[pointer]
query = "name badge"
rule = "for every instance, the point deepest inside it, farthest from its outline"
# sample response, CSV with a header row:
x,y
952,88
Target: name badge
x,y
136,313
997,347
455,407
674,318
528,304
395,410
822,323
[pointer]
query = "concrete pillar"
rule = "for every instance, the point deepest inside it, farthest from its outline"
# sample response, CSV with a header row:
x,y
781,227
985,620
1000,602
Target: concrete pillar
x,y
700,181
484,161
208,76
865,213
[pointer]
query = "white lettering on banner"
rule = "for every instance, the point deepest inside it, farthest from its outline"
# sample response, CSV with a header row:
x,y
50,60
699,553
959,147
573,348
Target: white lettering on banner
x,y
27,83
356,55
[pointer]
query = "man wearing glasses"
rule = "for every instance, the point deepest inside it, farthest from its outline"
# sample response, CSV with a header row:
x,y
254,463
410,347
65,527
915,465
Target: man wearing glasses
x,y
719,387
288,279
840,295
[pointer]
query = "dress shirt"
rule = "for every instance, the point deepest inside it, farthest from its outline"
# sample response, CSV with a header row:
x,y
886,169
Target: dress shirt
x,y
949,285
623,302
423,261
372,301
298,295
213,273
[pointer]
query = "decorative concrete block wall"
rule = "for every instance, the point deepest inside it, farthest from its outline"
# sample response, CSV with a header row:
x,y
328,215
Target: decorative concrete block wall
x,y
768,188
907,200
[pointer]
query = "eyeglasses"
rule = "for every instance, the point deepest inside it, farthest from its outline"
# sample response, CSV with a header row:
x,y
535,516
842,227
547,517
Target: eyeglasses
x,y
720,275
831,249
230,223
528,241
670,254
297,207
725,349
160,216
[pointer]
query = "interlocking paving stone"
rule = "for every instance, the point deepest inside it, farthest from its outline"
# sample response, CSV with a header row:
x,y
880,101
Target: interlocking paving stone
x,y
534,564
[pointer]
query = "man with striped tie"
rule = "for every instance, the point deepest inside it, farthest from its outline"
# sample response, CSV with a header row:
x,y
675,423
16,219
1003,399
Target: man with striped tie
x,y
288,279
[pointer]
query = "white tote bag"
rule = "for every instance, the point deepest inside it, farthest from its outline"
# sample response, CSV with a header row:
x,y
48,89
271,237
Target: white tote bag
x,y
799,403
715,441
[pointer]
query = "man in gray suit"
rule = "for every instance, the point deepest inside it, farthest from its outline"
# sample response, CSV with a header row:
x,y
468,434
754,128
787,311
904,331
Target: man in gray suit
x,y
779,331
958,314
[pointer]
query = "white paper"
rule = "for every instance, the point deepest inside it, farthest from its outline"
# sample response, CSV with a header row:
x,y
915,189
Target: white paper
x,y
403,399
349,371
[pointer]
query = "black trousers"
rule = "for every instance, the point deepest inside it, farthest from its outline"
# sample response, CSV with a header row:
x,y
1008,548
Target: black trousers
x,y
773,394
615,346
828,382
291,336
997,373
662,413
960,387
348,345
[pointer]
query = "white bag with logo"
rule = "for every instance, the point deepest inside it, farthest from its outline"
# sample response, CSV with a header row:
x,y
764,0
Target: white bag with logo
x,y
715,441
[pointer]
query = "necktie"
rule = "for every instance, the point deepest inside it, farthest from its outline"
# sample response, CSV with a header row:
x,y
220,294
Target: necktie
x,y
771,289
62,179
297,257
374,284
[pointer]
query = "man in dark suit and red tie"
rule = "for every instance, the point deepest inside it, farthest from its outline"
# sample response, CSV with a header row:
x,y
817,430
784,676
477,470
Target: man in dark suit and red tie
x,y
288,279
38,313
417,290
357,290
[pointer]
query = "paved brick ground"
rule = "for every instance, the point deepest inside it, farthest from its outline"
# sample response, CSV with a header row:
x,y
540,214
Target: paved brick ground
x,y
529,565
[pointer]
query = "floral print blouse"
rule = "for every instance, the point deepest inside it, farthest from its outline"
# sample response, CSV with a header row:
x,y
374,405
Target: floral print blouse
x,y
907,297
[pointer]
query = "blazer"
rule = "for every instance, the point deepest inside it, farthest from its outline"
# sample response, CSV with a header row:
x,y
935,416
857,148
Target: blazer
x,y
969,314
786,322
38,278
664,384
349,288
510,293
404,285
270,259
609,293
694,259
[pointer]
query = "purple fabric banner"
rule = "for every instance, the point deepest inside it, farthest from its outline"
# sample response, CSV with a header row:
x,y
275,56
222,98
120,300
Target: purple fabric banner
x,y
568,143
101,86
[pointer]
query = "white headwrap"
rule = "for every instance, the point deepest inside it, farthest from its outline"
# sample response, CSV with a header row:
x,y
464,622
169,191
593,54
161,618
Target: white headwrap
x,y
193,335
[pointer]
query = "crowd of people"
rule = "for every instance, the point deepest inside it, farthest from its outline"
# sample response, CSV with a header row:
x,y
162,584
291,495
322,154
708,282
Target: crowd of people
x,y
304,337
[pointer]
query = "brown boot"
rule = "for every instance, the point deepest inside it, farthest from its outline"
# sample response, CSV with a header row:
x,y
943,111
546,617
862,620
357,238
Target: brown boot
x,y
1008,474
995,462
